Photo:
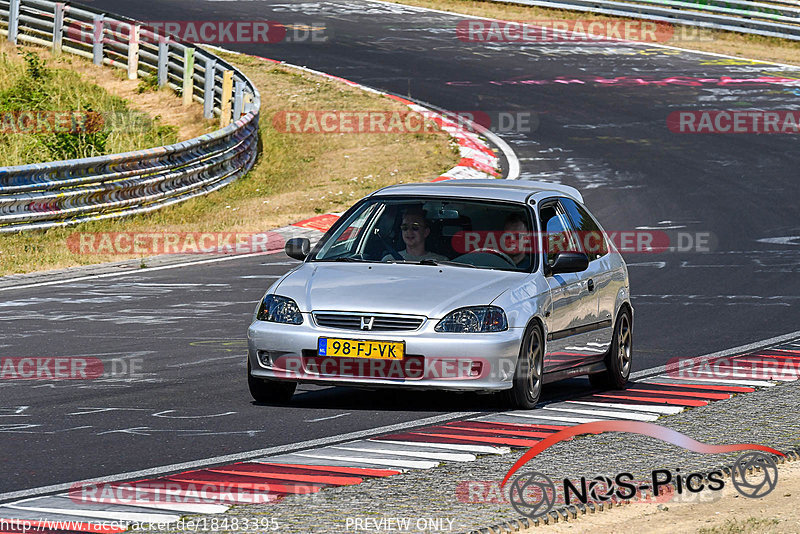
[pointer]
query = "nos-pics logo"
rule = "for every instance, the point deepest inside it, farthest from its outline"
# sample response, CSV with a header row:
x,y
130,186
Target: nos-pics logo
x,y
754,474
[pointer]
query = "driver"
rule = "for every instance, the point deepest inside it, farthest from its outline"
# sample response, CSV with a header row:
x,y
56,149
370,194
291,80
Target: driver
x,y
517,224
415,230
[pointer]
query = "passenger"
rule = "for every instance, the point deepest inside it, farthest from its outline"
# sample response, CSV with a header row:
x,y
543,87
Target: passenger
x,y
415,230
517,224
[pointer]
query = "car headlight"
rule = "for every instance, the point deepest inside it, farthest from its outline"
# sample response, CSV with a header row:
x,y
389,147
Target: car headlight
x,y
474,319
277,309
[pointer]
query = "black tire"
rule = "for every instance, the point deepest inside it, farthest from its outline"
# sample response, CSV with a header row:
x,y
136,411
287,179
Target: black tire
x,y
269,391
529,372
619,357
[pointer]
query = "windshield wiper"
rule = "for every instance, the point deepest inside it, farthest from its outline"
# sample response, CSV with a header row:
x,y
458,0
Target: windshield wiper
x,y
431,261
453,263
345,259
352,259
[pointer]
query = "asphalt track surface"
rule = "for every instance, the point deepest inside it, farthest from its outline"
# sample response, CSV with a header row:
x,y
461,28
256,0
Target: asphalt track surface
x,y
185,327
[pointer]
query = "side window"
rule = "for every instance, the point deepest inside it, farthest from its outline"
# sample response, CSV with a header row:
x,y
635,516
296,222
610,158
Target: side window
x,y
559,235
589,232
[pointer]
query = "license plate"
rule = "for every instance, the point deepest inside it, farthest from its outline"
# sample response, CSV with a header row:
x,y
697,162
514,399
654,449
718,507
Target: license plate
x,y
352,348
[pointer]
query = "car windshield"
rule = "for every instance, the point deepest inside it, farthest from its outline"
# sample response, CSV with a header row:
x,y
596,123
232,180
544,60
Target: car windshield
x,y
465,233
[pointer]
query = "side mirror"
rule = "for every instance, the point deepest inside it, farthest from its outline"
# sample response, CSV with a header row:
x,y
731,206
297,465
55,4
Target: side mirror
x,y
298,248
570,262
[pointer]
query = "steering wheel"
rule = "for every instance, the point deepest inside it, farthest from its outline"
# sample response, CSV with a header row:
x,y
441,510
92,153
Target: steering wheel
x,y
389,248
496,252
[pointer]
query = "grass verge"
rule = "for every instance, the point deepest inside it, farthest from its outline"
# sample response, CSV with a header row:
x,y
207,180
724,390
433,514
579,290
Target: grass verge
x,y
32,81
296,176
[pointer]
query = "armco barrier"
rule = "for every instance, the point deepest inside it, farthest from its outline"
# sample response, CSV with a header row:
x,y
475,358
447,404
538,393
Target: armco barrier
x,y
773,18
60,193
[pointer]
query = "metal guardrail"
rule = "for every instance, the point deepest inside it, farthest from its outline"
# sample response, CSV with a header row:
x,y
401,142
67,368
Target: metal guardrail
x,y
61,193
772,18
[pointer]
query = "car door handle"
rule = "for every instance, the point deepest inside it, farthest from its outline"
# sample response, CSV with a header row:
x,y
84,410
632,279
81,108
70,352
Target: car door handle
x,y
590,284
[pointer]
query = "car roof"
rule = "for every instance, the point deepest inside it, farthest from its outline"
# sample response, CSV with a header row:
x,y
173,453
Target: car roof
x,y
491,189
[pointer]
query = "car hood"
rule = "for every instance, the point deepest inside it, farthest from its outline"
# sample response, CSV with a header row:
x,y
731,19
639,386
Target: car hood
x,y
427,290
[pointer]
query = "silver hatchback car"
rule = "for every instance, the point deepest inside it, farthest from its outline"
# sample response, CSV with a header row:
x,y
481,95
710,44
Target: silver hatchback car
x,y
466,285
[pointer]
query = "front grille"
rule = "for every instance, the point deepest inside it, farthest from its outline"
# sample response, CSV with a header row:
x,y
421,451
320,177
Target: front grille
x,y
380,323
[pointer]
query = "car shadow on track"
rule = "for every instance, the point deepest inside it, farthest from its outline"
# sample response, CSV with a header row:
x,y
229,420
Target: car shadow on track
x,y
388,399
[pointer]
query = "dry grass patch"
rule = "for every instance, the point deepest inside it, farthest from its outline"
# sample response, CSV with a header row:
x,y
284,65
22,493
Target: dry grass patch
x,y
33,80
296,176
142,95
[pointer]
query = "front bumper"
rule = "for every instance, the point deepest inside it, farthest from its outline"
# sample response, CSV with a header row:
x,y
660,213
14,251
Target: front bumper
x,y
434,360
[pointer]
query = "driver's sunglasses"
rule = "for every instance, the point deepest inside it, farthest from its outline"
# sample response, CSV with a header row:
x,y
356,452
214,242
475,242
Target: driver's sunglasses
x,y
416,227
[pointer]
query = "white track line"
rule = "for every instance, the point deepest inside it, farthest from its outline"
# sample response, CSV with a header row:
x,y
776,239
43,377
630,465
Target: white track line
x,y
7,513
633,416
378,462
404,446
477,449
666,410
305,461
101,514
398,451
723,381
75,501
180,507
543,415
732,371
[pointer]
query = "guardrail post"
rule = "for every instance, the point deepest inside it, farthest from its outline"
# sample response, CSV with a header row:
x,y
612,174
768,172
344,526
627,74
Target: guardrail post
x,y
58,26
133,52
98,36
238,100
227,90
163,59
188,76
13,20
248,102
208,89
